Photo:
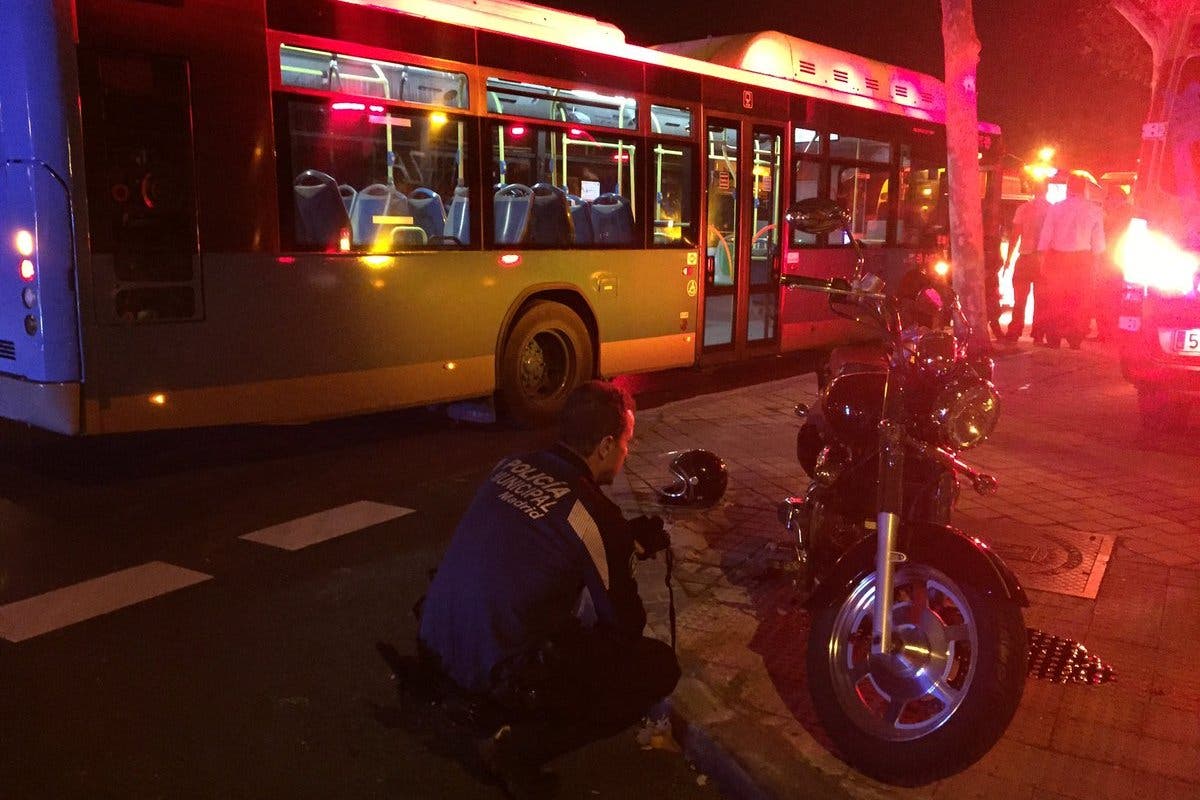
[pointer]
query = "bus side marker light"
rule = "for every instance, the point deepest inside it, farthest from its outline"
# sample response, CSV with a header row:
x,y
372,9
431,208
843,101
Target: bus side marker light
x,y
286,260
158,399
27,271
344,240
24,243
31,325
509,260
28,296
450,366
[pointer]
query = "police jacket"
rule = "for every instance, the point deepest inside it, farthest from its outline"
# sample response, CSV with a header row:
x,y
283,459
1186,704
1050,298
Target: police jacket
x,y
540,549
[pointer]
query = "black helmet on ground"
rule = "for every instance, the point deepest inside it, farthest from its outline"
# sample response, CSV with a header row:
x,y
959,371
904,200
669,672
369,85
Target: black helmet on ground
x,y
700,479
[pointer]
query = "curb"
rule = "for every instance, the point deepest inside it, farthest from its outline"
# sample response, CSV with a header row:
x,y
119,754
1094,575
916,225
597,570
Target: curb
x,y
732,779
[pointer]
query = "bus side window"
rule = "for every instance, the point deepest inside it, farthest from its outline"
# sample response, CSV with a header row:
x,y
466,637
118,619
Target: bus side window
x,y
674,194
580,184
371,180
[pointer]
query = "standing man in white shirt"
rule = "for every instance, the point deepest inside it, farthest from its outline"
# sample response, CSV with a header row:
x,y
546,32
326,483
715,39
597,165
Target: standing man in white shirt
x,y
1071,241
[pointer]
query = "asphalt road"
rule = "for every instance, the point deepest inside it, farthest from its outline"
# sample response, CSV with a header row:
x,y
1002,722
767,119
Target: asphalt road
x,y
259,680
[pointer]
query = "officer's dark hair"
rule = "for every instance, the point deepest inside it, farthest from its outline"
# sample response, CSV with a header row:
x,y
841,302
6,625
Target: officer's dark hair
x,y
594,410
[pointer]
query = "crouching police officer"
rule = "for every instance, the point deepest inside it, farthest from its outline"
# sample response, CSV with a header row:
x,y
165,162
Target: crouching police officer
x,y
534,605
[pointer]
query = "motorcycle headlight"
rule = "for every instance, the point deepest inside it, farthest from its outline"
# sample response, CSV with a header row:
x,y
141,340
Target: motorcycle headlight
x,y
965,412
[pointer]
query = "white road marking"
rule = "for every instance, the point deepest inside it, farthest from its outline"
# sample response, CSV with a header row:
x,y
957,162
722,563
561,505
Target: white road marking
x,y
43,613
325,525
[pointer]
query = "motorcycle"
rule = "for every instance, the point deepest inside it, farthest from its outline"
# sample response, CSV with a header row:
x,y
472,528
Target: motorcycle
x,y
918,652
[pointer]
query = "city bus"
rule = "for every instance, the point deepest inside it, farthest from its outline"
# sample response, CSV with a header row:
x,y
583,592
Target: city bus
x,y
1159,254
269,211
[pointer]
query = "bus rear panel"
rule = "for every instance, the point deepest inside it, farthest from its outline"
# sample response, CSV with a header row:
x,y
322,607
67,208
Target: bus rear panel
x,y
40,370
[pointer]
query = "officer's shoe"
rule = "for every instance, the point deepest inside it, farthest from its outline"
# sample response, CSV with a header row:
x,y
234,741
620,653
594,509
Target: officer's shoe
x,y
521,779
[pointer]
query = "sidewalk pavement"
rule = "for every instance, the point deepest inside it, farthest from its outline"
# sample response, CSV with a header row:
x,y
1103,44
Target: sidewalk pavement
x,y
1095,517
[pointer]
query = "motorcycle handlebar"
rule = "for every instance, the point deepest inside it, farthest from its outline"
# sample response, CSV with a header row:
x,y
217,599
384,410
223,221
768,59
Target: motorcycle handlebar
x,y
829,286
805,282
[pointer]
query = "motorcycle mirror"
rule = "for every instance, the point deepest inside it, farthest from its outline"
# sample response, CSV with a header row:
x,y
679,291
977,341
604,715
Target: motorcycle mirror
x,y
817,215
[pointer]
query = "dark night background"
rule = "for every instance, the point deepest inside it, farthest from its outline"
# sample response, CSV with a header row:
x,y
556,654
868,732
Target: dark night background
x,y
1071,73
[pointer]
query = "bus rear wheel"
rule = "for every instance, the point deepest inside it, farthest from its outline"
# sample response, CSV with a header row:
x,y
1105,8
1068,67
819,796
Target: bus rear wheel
x,y
547,354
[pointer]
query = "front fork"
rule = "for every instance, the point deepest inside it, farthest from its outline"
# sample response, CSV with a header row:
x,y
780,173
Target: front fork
x,y
887,523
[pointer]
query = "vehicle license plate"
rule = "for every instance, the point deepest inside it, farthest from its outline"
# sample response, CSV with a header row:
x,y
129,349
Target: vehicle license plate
x,y
1187,341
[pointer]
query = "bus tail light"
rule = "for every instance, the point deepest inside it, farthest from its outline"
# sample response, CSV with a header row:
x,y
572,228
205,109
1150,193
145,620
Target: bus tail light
x,y
25,246
1148,258
24,243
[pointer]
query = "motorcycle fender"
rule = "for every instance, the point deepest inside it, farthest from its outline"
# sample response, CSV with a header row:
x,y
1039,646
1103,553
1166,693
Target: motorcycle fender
x,y
948,549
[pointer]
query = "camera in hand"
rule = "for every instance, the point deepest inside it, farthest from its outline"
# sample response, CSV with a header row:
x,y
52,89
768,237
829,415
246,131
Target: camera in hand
x,y
650,535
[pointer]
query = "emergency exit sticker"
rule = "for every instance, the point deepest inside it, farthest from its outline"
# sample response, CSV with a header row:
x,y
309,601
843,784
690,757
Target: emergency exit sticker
x,y
693,258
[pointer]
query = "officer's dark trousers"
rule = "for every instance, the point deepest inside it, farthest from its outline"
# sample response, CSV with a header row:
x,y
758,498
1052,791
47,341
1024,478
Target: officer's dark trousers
x,y
1025,275
602,684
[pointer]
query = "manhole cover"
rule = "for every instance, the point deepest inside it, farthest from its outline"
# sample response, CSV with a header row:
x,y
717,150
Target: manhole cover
x,y
1051,559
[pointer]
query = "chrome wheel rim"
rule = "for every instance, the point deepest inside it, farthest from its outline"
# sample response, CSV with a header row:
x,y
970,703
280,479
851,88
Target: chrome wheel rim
x,y
545,365
912,691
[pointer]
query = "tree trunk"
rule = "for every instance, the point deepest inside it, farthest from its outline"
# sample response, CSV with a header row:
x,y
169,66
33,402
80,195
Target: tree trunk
x,y
1153,19
962,151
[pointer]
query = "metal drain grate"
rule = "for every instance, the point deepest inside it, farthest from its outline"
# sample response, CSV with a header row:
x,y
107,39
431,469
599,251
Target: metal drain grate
x,y
1050,559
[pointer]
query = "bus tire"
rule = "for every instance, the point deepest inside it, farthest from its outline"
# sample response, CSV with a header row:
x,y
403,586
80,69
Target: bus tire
x,y
548,353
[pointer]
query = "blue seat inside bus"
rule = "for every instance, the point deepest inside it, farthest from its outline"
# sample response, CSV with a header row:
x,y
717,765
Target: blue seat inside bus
x,y
460,217
376,200
612,219
550,223
347,192
320,213
406,237
513,206
428,213
581,219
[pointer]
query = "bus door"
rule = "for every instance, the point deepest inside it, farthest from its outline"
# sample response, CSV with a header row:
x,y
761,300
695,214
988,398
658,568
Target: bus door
x,y
741,300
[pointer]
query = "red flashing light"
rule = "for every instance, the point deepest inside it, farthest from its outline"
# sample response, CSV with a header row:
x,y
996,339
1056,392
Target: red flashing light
x,y
28,273
509,260
578,133
287,260
621,157
517,130
347,106
377,109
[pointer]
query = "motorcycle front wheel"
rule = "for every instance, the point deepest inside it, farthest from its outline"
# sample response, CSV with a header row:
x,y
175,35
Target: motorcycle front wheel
x,y
943,695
